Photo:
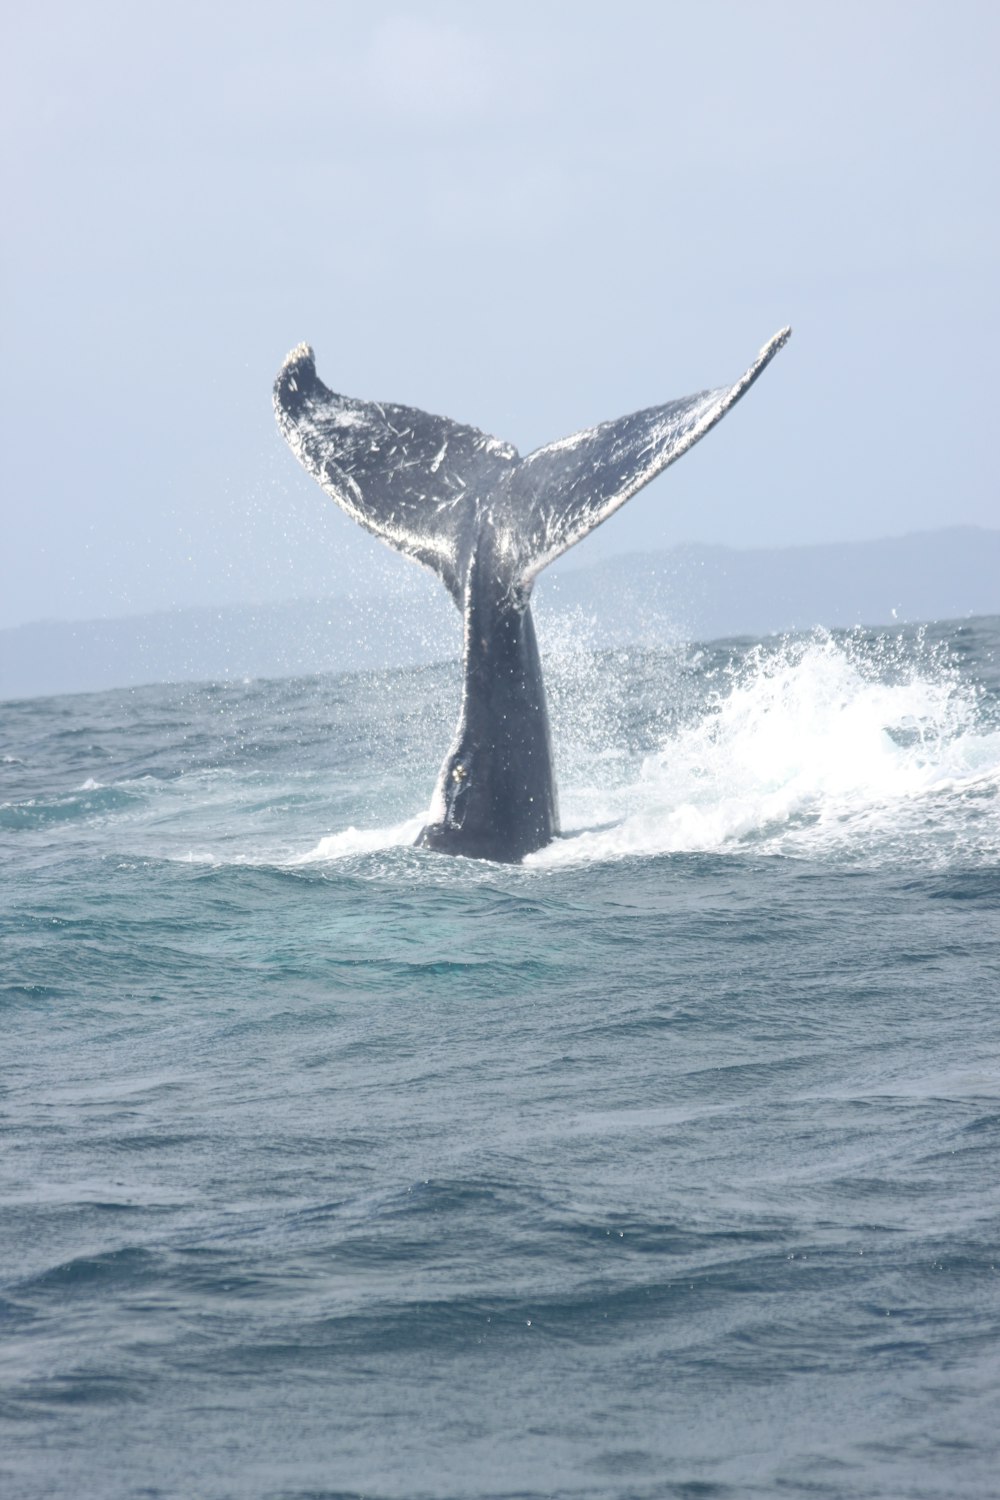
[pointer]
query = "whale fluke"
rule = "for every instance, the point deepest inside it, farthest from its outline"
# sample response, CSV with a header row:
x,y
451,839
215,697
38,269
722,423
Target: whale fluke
x,y
413,479
571,486
487,522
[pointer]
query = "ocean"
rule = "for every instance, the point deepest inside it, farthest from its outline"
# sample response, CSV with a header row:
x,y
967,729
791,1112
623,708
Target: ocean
x,y
664,1165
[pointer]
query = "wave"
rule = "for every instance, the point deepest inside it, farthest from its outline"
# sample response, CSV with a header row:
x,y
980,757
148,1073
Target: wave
x,y
811,746
90,801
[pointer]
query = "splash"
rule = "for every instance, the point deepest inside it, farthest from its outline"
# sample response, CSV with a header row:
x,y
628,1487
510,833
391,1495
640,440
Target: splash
x,y
846,748
808,747
362,841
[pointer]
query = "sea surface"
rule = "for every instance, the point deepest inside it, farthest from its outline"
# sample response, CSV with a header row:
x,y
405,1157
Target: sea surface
x,y
667,1164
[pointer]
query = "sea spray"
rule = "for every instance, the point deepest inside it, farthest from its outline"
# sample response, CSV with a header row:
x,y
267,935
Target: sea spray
x,y
792,747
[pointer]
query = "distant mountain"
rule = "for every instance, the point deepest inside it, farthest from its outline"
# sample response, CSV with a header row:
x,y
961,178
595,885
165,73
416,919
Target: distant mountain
x,y
688,592
708,592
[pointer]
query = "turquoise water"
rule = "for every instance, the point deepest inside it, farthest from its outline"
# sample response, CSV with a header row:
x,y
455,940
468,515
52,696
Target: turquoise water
x,y
663,1165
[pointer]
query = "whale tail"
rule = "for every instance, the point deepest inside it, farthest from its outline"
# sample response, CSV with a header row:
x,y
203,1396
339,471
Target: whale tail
x,y
487,521
428,486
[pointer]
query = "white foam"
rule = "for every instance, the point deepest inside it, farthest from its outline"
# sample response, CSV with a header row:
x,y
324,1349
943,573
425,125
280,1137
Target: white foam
x,y
362,841
798,750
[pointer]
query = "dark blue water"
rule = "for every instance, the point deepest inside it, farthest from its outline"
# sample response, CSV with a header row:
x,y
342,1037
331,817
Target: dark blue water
x,y
665,1165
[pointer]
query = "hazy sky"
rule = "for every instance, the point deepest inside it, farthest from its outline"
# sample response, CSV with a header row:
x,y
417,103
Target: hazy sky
x,y
531,217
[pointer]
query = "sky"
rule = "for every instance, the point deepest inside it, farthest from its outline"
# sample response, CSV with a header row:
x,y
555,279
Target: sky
x,y
530,217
